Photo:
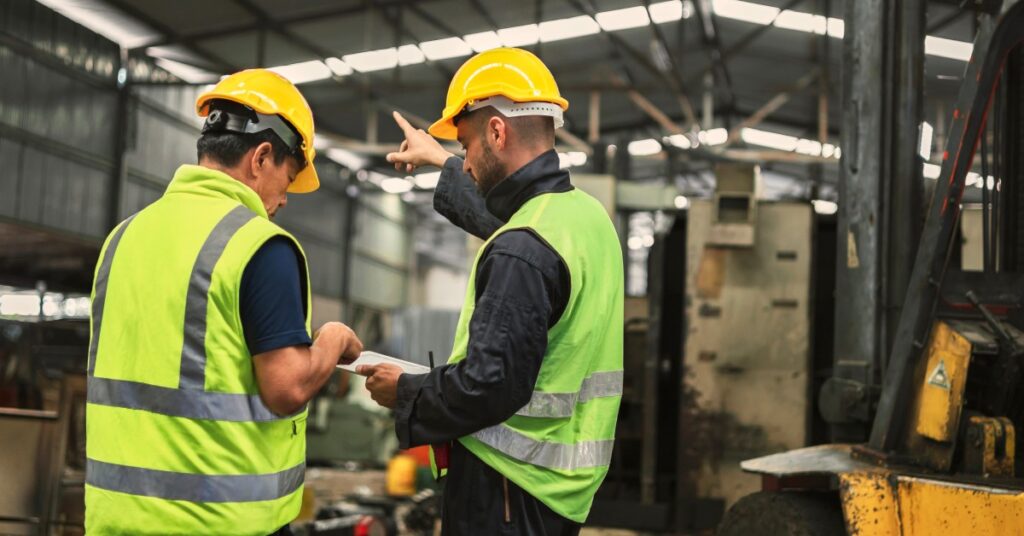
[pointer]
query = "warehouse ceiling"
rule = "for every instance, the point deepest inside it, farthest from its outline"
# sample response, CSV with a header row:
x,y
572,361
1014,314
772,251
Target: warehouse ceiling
x,y
631,69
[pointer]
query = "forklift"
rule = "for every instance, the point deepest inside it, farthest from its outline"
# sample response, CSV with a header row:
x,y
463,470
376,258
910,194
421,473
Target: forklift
x,y
943,455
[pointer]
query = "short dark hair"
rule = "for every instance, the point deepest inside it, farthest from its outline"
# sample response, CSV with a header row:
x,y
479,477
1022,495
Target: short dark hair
x,y
227,148
535,130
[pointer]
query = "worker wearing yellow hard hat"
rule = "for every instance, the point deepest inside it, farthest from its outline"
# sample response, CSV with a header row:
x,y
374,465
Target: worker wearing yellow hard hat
x,y
202,359
522,418
276,105
512,77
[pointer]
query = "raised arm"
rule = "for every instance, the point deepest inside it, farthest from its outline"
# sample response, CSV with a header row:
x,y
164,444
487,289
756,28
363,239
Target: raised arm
x,y
456,197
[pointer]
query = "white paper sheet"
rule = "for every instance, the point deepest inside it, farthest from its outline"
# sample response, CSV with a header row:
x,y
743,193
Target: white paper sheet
x,y
373,358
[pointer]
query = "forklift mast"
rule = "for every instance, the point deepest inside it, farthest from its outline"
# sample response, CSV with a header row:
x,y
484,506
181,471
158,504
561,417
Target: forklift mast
x,y
989,97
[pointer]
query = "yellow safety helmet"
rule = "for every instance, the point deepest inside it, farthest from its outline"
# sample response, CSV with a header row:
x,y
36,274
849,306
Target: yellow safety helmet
x,y
270,94
513,73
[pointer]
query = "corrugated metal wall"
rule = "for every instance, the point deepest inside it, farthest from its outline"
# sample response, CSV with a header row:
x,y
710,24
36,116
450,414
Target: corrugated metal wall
x,y
58,156
57,95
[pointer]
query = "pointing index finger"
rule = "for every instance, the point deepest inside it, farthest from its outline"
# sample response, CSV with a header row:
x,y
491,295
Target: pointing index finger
x,y
403,123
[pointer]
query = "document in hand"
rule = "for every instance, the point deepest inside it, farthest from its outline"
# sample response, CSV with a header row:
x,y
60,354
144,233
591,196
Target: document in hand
x,y
373,358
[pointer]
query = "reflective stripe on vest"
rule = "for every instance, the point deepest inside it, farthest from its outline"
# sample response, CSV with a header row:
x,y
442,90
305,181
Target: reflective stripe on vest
x,y
189,400
193,487
567,457
560,405
102,275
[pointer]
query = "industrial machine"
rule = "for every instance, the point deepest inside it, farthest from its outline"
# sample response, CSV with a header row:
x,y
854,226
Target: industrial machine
x,y
944,455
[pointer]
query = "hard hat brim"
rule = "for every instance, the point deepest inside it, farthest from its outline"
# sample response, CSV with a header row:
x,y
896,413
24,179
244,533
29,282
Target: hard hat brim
x,y
307,180
445,129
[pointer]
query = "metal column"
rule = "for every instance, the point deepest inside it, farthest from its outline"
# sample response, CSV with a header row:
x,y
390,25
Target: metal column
x,y
880,195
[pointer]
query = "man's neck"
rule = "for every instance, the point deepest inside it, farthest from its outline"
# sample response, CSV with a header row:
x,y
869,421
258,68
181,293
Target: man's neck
x,y
233,172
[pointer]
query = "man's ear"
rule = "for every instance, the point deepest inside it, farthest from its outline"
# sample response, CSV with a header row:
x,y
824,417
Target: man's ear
x,y
497,132
261,157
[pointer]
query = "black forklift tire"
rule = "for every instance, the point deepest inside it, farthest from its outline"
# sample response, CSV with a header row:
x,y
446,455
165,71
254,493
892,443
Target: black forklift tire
x,y
785,513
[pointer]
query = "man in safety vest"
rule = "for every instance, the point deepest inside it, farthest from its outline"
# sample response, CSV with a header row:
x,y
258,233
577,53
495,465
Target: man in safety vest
x,y
201,360
531,392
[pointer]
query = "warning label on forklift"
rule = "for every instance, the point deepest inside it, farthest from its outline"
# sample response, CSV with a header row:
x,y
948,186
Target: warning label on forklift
x,y
938,376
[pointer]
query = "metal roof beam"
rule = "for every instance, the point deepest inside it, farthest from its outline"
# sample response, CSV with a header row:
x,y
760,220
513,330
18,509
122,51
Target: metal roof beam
x,y
187,38
169,33
679,86
770,107
709,32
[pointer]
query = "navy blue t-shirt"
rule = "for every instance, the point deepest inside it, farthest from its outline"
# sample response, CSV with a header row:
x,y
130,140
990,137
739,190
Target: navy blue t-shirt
x,y
272,303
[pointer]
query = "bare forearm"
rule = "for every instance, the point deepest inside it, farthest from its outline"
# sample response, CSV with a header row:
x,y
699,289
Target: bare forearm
x,y
323,358
289,377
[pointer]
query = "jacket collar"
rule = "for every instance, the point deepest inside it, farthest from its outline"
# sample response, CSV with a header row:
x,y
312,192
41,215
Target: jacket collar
x,y
541,176
200,180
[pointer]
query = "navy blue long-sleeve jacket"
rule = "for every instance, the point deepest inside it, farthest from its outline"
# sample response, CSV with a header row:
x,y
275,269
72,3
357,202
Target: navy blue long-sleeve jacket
x,y
522,289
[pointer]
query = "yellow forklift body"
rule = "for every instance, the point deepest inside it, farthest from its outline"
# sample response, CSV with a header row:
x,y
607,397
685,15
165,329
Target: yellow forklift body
x,y
882,501
890,504
942,387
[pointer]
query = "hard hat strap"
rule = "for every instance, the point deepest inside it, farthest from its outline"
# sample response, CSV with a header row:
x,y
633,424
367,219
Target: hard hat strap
x,y
224,121
510,108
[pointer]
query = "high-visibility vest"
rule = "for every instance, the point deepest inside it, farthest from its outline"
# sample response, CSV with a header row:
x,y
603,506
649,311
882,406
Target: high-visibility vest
x,y
178,440
558,447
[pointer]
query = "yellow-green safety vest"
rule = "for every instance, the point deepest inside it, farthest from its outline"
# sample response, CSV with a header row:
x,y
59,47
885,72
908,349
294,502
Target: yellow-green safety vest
x,y
558,447
178,440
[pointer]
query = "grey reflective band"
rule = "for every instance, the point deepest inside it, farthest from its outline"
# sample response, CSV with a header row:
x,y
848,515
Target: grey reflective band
x,y
193,349
178,402
100,290
193,487
563,456
190,399
561,405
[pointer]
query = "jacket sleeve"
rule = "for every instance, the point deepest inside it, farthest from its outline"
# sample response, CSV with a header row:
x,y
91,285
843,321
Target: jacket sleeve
x,y
456,198
517,290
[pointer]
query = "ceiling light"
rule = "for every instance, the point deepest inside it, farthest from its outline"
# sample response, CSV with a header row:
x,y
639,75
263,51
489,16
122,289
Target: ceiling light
x,y
105,20
373,60
621,19
482,41
556,30
577,158
346,158
449,47
681,202
307,71
427,181
836,28
409,55
828,150
188,73
679,140
563,161
520,36
745,11
571,159
772,140
715,136
808,147
644,147
948,48
395,185
926,134
338,67
825,207
802,22
662,12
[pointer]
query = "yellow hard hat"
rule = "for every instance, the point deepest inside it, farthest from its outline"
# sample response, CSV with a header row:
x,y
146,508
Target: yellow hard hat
x,y
269,93
513,73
